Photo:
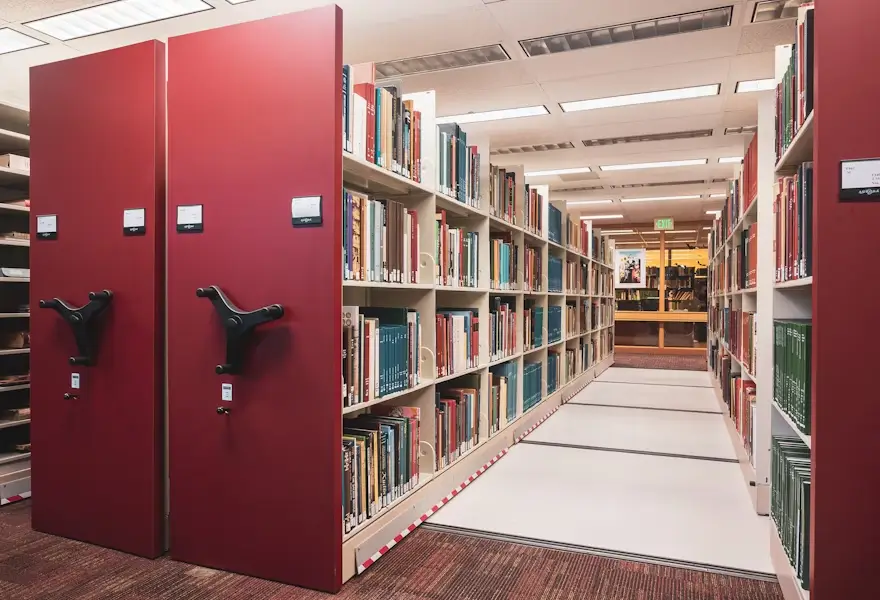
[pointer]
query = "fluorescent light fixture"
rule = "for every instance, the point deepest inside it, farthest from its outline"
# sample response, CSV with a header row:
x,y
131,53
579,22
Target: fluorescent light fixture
x,y
730,159
238,1
12,41
597,217
656,165
705,228
713,196
558,172
700,91
114,15
682,231
659,198
755,85
714,213
494,115
618,232
650,232
585,202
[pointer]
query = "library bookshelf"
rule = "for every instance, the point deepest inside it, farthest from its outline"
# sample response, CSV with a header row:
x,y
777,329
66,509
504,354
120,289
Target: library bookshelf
x,y
587,337
15,464
402,257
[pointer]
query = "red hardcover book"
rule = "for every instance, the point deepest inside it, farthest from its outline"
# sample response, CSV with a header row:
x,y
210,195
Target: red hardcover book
x,y
367,91
417,146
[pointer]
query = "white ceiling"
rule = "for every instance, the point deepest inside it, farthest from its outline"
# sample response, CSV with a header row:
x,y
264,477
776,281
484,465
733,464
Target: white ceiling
x,y
379,30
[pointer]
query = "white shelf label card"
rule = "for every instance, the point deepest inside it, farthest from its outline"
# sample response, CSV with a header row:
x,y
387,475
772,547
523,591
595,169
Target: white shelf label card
x,y
189,218
47,227
226,392
74,381
134,221
306,211
860,180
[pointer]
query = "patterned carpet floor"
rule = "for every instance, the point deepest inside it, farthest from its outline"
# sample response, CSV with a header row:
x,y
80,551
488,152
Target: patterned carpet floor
x,y
428,565
660,361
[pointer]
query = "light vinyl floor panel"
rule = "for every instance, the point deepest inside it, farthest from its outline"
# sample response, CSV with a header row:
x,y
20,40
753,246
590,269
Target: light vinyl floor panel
x,y
637,395
692,511
689,434
657,377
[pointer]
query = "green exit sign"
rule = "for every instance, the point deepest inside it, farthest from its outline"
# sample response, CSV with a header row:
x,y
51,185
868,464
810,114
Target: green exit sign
x,y
664,224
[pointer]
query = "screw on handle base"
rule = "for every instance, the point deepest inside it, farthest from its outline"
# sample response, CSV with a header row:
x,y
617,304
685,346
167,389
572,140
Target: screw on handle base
x,y
221,410
69,396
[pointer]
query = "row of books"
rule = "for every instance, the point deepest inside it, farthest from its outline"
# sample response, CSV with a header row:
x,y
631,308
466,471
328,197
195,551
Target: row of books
x,y
571,319
457,415
554,324
748,248
533,270
577,276
458,341
554,224
532,382
790,502
584,353
554,371
533,213
380,240
602,314
502,194
502,329
503,262
792,372
577,235
602,344
456,254
458,165
380,126
571,370
794,91
743,398
380,350
584,320
749,175
738,329
503,381
554,274
601,281
379,461
794,224
533,323
730,214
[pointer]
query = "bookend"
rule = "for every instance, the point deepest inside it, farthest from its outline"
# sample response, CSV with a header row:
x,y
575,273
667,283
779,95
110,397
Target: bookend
x,y
80,320
238,324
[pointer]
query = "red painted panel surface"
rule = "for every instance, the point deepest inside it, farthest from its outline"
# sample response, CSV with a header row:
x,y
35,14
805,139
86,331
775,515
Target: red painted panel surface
x,y
254,121
846,284
97,131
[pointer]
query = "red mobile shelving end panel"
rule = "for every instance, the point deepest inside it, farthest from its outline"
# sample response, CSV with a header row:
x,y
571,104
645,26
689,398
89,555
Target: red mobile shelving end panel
x,y
254,122
98,149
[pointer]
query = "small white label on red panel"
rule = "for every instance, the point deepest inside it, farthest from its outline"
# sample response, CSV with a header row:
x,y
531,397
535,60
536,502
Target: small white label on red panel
x,y
74,381
226,392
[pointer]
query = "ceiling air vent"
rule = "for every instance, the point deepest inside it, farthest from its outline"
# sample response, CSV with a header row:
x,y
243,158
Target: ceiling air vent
x,y
627,32
456,59
656,137
531,149
739,130
591,188
660,184
773,10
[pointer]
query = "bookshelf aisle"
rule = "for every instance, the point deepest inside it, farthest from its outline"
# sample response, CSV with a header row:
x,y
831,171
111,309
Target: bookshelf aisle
x,y
14,312
502,312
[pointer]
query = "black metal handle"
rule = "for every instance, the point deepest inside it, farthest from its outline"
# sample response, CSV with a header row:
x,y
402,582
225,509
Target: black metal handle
x,y
222,410
69,396
80,321
239,325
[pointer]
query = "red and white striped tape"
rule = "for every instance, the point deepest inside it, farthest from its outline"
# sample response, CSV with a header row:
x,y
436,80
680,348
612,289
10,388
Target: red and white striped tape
x,y
18,498
427,515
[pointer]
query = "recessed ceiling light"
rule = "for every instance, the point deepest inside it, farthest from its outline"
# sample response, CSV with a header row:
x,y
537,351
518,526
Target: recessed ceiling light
x,y
618,232
558,172
597,217
699,91
713,196
730,159
12,41
585,202
714,213
771,10
740,130
495,115
656,165
433,63
755,85
659,198
114,15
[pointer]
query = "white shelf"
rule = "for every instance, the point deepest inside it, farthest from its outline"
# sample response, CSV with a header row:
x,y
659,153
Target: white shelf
x,y
459,374
791,424
14,177
15,351
800,150
504,359
533,350
13,388
352,283
15,280
425,383
14,242
377,180
14,208
13,423
14,315
13,457
794,283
